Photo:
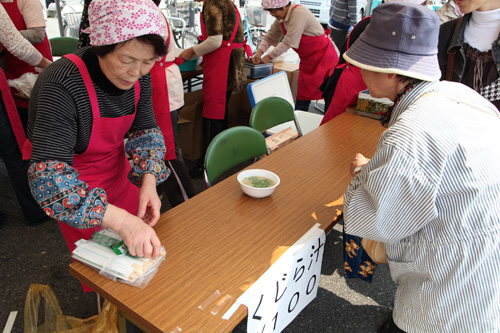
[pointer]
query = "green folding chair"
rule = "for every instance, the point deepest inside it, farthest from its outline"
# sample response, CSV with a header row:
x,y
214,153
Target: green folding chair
x,y
230,148
272,111
63,45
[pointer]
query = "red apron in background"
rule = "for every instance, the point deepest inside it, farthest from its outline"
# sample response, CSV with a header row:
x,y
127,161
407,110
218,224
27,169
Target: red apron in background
x,y
347,88
346,92
10,107
104,163
161,104
215,71
14,66
317,61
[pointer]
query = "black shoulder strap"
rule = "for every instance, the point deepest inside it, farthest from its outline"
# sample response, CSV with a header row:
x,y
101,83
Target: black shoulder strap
x,y
450,65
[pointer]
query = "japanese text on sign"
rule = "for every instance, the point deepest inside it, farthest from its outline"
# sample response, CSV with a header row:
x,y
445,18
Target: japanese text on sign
x,y
287,287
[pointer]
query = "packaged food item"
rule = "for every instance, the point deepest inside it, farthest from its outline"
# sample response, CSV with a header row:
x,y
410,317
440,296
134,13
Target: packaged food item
x,y
372,107
106,252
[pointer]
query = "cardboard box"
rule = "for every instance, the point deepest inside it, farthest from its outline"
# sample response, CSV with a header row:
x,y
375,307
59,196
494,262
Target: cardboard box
x,y
190,136
235,116
244,100
372,107
292,72
190,124
281,139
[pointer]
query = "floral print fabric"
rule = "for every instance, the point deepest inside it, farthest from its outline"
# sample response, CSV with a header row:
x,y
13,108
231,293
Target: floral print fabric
x,y
66,198
115,21
147,148
357,263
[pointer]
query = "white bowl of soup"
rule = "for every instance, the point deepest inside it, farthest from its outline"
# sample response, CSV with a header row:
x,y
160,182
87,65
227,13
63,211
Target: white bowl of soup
x,y
258,183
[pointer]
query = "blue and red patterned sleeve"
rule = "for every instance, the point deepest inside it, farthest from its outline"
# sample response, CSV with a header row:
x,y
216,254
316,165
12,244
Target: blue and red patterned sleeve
x,y
147,149
64,197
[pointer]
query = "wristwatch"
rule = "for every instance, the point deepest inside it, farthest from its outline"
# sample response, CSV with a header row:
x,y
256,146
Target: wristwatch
x,y
357,170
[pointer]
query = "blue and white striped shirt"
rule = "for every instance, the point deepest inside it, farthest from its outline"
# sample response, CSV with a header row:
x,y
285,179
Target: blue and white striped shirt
x,y
431,193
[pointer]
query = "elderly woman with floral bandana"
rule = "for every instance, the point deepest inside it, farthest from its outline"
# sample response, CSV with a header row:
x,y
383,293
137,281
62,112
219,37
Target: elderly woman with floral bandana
x,y
81,109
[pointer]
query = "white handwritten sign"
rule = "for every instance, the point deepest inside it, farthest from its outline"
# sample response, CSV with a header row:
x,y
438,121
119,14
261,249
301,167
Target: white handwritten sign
x,y
286,288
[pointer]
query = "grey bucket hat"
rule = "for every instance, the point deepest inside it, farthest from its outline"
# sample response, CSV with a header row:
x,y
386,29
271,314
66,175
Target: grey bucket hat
x,y
400,39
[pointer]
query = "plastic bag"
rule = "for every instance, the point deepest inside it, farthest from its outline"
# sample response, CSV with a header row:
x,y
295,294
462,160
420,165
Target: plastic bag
x,y
107,253
55,321
24,83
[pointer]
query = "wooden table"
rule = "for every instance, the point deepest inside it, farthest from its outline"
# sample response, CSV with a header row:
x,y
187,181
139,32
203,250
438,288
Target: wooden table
x,y
20,97
223,241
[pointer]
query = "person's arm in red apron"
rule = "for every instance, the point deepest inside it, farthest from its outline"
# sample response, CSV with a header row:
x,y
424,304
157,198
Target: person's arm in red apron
x,y
149,202
32,12
17,45
147,172
146,145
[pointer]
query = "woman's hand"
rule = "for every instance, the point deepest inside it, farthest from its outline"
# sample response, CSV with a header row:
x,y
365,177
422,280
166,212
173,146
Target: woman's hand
x,y
140,238
358,161
43,64
256,59
266,59
187,54
149,202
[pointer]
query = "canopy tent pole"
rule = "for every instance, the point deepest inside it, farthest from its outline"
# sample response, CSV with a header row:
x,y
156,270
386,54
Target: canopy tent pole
x,y
59,17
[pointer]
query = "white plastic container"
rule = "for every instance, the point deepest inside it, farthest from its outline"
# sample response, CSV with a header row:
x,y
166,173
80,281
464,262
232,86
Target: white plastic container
x,y
307,122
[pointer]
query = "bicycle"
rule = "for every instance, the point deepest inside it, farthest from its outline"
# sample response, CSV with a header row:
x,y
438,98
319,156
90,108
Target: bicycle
x,y
254,25
183,18
71,13
71,24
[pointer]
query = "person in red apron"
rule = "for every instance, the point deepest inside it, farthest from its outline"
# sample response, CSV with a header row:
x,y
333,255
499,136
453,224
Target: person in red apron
x,y
346,82
12,135
165,79
80,174
30,22
223,48
302,32
167,84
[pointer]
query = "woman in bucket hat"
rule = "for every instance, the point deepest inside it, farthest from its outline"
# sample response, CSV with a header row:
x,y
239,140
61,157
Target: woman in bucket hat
x,y
302,32
429,192
81,109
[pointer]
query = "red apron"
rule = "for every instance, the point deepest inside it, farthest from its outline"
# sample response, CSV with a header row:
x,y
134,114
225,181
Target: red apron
x,y
347,89
317,61
215,70
104,163
161,105
346,92
10,107
15,67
